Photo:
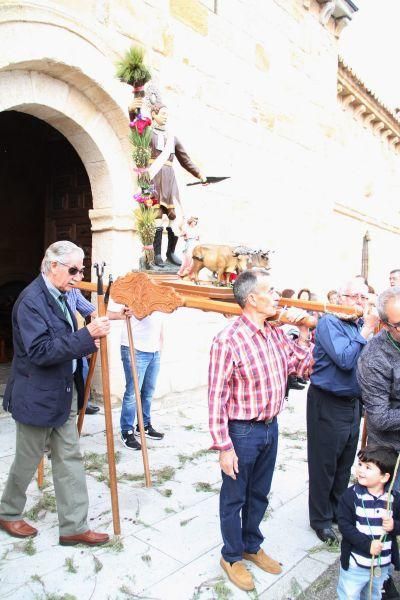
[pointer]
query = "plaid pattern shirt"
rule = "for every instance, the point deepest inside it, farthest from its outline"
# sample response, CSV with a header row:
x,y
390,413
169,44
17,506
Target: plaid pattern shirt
x,y
248,373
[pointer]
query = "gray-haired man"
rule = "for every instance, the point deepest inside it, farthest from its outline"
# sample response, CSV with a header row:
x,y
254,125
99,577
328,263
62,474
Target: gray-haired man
x,y
378,373
43,392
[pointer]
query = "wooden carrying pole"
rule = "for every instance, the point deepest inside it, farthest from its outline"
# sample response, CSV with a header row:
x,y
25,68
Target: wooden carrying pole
x,y
105,376
88,383
138,398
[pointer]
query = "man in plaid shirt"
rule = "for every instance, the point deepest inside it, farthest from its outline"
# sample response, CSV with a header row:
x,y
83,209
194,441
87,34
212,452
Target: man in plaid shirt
x,y
249,366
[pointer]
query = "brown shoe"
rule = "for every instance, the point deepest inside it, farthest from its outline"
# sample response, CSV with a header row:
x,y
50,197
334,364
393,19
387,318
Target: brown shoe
x,y
238,574
265,562
19,529
90,538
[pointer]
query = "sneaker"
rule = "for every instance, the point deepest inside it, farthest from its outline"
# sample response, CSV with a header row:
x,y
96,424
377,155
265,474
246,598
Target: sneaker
x,y
150,432
128,439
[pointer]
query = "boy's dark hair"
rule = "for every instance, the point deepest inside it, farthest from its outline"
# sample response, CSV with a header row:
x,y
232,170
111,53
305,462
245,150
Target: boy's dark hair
x,y
382,456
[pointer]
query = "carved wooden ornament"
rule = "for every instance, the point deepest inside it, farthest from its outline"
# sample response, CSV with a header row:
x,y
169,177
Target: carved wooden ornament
x,y
143,296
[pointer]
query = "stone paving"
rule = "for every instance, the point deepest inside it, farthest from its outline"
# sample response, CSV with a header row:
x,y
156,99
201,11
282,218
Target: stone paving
x,y
169,548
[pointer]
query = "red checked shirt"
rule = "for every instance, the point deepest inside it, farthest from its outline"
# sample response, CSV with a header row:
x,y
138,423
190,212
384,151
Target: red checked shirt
x,y
248,373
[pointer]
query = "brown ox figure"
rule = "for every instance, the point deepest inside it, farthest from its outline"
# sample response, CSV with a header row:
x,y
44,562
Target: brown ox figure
x,y
225,260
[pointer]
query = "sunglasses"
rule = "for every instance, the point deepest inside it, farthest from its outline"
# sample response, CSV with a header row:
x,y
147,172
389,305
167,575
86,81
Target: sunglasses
x,y
73,270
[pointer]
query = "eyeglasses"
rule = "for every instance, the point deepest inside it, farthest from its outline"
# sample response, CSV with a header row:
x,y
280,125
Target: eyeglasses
x,y
396,327
355,296
73,270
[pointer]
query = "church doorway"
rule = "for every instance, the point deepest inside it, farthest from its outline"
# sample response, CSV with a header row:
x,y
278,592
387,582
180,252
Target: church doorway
x,y
45,196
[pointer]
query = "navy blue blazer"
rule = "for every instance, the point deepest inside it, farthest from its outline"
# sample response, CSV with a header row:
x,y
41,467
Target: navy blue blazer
x,y
39,389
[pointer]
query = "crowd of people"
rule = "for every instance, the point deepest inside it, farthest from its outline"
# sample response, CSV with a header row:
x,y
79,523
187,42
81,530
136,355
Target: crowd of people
x,y
352,369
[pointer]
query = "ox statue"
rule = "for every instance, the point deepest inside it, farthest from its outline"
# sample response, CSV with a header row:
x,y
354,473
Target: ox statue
x,y
226,260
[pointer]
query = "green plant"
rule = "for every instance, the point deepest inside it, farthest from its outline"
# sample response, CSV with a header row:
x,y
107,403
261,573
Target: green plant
x,y
115,544
164,474
47,502
131,68
98,565
203,486
28,547
186,521
70,565
146,558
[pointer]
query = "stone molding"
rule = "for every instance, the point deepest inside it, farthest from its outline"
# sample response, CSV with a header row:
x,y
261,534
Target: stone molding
x,y
364,218
353,95
106,219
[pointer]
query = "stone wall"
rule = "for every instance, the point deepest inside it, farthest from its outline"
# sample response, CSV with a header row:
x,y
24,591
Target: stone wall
x,y
252,95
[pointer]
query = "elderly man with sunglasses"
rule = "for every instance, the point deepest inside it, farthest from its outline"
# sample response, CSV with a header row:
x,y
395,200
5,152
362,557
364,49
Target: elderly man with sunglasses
x,y
44,392
378,373
333,406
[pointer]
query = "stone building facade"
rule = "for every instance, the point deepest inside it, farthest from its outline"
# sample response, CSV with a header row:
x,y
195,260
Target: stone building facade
x,y
255,92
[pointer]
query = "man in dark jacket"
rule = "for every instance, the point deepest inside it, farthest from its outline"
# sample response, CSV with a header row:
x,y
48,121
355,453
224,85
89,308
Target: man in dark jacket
x,y
44,392
333,408
379,378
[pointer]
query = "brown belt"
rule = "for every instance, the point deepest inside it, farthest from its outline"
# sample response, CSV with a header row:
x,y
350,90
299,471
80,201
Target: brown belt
x,y
167,163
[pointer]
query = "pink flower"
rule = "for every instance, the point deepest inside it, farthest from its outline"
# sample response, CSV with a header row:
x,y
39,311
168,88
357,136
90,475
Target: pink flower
x,y
140,124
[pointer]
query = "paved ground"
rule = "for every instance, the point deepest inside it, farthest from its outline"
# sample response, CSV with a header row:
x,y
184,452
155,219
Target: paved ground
x,y
170,543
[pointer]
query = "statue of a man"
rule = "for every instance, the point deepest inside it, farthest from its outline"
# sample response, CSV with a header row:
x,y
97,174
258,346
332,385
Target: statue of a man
x,y
164,146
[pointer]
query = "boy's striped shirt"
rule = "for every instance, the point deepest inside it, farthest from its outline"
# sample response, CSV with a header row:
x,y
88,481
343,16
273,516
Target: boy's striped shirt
x,y
370,511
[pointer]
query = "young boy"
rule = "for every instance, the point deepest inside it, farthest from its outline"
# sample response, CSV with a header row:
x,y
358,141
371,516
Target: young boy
x,y
362,519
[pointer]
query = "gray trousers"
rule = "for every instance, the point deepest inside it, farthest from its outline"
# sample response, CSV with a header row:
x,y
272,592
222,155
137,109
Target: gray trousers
x,y
67,468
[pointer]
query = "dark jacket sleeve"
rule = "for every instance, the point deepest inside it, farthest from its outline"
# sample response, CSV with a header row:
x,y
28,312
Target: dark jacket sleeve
x,y
46,346
184,160
396,514
347,523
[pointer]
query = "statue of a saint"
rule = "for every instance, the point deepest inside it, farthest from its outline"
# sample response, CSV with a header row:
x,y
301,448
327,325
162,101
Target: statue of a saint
x,y
164,146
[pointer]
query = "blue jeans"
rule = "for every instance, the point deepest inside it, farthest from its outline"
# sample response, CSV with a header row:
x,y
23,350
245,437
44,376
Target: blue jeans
x,y
148,367
243,501
354,584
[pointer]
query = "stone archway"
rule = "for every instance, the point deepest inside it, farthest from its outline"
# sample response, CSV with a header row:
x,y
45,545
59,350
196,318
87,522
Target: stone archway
x,y
55,69
61,73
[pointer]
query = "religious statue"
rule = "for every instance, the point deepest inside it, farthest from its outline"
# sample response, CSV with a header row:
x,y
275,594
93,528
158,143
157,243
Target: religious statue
x,y
164,146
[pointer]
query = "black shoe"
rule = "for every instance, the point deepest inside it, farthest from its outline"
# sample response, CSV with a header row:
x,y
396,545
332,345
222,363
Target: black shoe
x,y
91,409
389,591
327,535
128,439
150,433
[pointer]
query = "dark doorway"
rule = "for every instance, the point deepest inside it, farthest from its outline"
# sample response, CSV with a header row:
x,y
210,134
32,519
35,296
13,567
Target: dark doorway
x,y
45,196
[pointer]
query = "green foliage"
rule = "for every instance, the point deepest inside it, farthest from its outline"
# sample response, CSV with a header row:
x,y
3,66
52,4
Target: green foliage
x,y
203,486
164,474
131,69
115,544
70,565
98,565
145,224
46,503
143,140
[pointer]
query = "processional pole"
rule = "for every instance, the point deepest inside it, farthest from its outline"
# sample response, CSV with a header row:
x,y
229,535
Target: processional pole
x,y
101,309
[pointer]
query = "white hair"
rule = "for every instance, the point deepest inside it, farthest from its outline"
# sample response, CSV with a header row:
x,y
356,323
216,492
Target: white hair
x,y
59,251
392,293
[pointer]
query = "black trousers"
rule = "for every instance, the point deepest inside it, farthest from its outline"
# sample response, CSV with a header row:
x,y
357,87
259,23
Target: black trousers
x,y
333,425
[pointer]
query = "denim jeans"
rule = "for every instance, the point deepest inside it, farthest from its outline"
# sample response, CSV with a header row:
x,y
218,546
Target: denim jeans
x,y
354,584
243,501
148,367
